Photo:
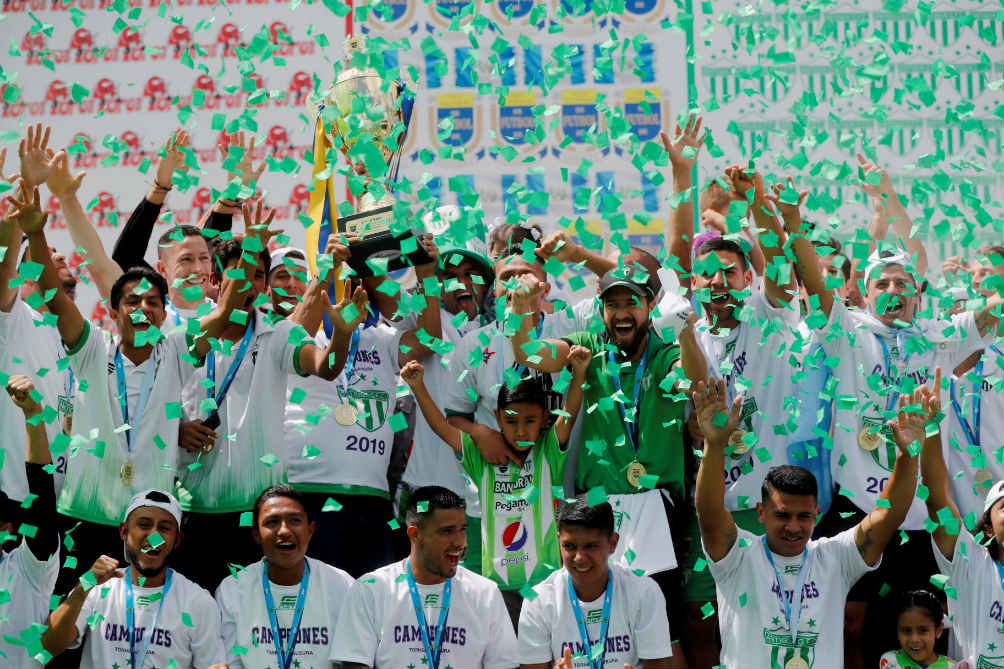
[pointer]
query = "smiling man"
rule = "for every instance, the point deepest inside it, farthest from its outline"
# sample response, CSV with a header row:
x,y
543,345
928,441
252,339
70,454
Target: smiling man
x,y
286,604
426,609
147,614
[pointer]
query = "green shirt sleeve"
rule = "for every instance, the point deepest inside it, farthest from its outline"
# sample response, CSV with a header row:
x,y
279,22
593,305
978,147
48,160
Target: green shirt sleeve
x,y
470,458
554,454
587,339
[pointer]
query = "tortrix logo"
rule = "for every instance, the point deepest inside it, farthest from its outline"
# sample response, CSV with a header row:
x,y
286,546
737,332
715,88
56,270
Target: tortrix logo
x,y
104,207
130,41
299,87
82,40
180,39
155,89
201,199
300,198
104,91
33,43
279,31
278,139
52,205
57,93
229,36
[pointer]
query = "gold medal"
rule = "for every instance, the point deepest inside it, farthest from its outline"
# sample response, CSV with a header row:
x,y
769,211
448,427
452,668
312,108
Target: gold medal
x,y
796,663
127,473
739,447
634,472
981,477
346,414
869,440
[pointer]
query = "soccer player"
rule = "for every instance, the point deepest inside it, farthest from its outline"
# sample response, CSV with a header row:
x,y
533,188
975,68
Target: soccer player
x,y
29,563
590,602
147,614
426,609
780,595
284,606
968,551
287,279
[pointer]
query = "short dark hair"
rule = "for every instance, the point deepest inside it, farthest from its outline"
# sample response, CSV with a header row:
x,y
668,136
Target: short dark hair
x,y
921,599
170,237
530,391
430,498
137,273
791,480
8,509
579,513
230,250
511,235
722,244
279,490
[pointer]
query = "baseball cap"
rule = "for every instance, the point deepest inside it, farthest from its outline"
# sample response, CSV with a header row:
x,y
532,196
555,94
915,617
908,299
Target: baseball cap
x,y
996,493
478,259
297,258
154,497
634,279
878,260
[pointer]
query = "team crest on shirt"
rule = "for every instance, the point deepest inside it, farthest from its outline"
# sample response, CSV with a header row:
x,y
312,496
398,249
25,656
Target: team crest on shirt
x,y
372,404
782,651
287,603
594,616
885,455
984,662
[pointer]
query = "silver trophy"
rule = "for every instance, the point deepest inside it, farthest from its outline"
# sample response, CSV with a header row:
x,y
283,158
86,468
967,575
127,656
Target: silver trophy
x,y
362,107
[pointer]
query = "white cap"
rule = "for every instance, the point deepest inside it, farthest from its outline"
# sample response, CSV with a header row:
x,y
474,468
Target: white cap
x,y
141,499
996,493
876,262
279,255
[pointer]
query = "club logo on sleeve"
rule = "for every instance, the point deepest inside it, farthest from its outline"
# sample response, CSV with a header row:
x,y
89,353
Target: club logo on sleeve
x,y
514,536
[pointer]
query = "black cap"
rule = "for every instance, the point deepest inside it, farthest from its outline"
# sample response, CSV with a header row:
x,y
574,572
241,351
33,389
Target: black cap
x,y
637,280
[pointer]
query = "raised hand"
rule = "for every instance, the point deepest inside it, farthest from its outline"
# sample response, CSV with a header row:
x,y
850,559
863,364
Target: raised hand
x,y
244,169
579,358
104,569
338,250
22,392
27,212
685,145
709,401
781,198
745,182
13,176
559,245
428,269
257,227
908,426
61,182
525,293
173,159
413,373
336,312
195,437
35,155
884,185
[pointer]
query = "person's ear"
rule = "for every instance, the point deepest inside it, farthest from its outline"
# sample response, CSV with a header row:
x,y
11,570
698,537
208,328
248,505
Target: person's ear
x,y
412,532
161,269
123,531
748,276
761,513
311,526
177,540
614,538
256,535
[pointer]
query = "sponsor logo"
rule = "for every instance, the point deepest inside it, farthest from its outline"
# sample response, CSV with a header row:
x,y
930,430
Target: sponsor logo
x,y
394,14
594,616
432,600
514,536
287,602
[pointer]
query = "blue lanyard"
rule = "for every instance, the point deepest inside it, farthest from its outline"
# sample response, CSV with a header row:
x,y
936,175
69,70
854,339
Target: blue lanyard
x,y
432,651
630,426
172,312
235,364
887,367
138,656
803,569
350,362
604,625
972,431
285,658
144,392
1000,572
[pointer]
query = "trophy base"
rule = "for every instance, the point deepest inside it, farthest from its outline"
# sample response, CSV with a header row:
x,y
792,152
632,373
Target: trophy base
x,y
376,241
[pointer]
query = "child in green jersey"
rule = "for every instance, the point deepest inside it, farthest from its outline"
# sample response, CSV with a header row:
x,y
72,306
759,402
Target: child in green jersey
x,y
918,626
519,543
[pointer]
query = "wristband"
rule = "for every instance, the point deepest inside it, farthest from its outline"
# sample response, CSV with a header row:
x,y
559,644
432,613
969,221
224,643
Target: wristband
x,y
163,188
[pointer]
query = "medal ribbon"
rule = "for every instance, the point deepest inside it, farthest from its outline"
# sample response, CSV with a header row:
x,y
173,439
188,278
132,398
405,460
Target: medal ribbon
x,y
138,655
432,650
972,431
172,313
632,426
887,367
235,364
350,364
285,658
604,624
1000,572
803,569
144,392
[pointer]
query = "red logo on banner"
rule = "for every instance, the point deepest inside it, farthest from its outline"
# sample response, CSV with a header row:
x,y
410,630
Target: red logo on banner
x,y
229,37
300,198
201,199
82,40
32,43
279,31
104,91
299,87
205,83
57,93
105,206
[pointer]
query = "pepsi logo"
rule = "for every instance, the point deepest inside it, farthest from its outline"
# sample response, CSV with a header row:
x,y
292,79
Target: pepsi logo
x,y
514,536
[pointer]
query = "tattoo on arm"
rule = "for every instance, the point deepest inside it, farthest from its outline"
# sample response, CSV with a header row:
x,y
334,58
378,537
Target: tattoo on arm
x,y
866,538
731,535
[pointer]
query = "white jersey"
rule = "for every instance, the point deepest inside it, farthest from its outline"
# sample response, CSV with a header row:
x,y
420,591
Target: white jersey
x,y
980,463
323,455
247,456
855,340
187,632
638,628
756,361
377,626
246,621
95,489
30,346
27,583
977,609
751,617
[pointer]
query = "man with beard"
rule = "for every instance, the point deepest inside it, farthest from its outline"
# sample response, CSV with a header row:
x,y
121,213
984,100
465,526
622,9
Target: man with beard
x,y
147,614
247,357
286,604
287,279
426,609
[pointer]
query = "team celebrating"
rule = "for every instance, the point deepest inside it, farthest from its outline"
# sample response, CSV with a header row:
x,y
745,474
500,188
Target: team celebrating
x,y
753,447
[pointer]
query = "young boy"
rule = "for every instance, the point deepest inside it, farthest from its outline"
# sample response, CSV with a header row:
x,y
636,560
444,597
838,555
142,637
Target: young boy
x,y
519,543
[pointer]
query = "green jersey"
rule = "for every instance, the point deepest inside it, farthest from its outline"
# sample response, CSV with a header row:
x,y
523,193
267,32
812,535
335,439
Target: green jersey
x,y
519,539
607,451
897,659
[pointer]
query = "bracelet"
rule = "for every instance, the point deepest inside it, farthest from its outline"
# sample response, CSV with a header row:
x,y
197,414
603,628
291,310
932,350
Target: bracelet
x,y
234,204
157,186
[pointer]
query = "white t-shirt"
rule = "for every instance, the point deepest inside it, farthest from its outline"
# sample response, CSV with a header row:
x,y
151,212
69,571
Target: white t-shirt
x,y
851,338
757,362
233,474
638,629
246,623
751,616
30,347
977,610
321,454
25,585
94,489
987,455
377,625
187,631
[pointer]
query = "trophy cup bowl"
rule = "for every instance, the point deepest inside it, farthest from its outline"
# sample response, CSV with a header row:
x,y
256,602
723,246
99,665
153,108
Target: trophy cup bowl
x,y
368,109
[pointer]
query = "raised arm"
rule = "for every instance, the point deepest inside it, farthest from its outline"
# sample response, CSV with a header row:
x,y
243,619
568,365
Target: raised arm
x,y
413,374
560,245
695,365
718,529
889,209
683,150
988,319
878,527
579,358
28,213
769,237
237,155
62,623
345,317
551,355
934,474
429,318
10,239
